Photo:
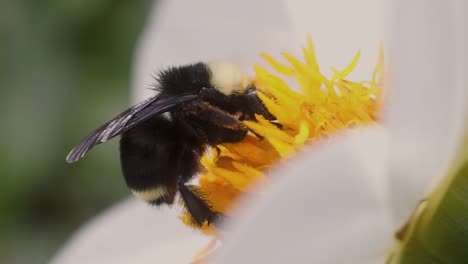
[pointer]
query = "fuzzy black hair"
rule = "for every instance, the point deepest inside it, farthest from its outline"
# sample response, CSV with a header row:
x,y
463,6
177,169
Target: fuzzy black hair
x,y
187,79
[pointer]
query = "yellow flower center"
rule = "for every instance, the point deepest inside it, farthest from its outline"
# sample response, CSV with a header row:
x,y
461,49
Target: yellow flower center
x,y
320,107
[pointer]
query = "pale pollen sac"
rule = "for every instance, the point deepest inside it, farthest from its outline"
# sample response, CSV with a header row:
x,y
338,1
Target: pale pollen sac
x,y
228,78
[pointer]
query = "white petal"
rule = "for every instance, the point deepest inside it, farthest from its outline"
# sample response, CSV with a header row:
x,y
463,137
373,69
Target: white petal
x,y
428,96
182,32
339,29
327,206
133,232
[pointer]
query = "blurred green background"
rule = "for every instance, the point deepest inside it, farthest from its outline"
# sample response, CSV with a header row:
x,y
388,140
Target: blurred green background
x,y
64,69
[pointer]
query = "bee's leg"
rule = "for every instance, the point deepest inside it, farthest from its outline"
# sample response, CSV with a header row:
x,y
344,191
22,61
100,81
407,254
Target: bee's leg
x,y
197,207
259,137
215,115
220,118
193,199
256,104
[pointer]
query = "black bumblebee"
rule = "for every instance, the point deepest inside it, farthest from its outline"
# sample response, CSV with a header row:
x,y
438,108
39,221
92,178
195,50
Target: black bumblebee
x,y
164,137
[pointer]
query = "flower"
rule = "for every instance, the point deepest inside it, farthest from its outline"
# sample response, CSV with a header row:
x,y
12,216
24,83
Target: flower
x,y
363,187
345,204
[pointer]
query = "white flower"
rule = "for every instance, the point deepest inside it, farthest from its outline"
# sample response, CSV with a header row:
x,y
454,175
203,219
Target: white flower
x,y
342,202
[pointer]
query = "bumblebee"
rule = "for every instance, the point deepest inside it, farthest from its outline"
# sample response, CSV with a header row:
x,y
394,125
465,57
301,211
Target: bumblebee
x,y
163,138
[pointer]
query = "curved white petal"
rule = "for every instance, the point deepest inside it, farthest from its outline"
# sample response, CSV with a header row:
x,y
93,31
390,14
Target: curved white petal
x,y
428,97
133,232
182,32
328,206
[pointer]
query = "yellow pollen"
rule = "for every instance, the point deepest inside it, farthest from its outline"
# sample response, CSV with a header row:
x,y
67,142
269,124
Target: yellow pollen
x,y
316,110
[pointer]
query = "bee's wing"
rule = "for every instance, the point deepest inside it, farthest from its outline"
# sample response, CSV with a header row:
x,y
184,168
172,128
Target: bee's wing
x,y
125,121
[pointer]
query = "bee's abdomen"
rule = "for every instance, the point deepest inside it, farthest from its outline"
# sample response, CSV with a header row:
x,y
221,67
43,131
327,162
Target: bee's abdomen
x,y
155,195
149,157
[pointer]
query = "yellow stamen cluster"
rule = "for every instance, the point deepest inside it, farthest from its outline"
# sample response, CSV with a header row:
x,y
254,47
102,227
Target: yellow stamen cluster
x,y
321,107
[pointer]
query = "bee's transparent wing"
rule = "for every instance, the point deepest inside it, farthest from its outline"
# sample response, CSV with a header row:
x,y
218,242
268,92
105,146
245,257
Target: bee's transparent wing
x,y
125,121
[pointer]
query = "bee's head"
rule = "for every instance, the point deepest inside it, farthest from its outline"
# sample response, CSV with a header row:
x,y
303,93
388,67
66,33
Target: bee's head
x,y
252,104
234,92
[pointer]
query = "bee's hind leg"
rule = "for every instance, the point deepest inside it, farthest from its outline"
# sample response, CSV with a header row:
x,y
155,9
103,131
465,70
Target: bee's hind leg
x,y
197,207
